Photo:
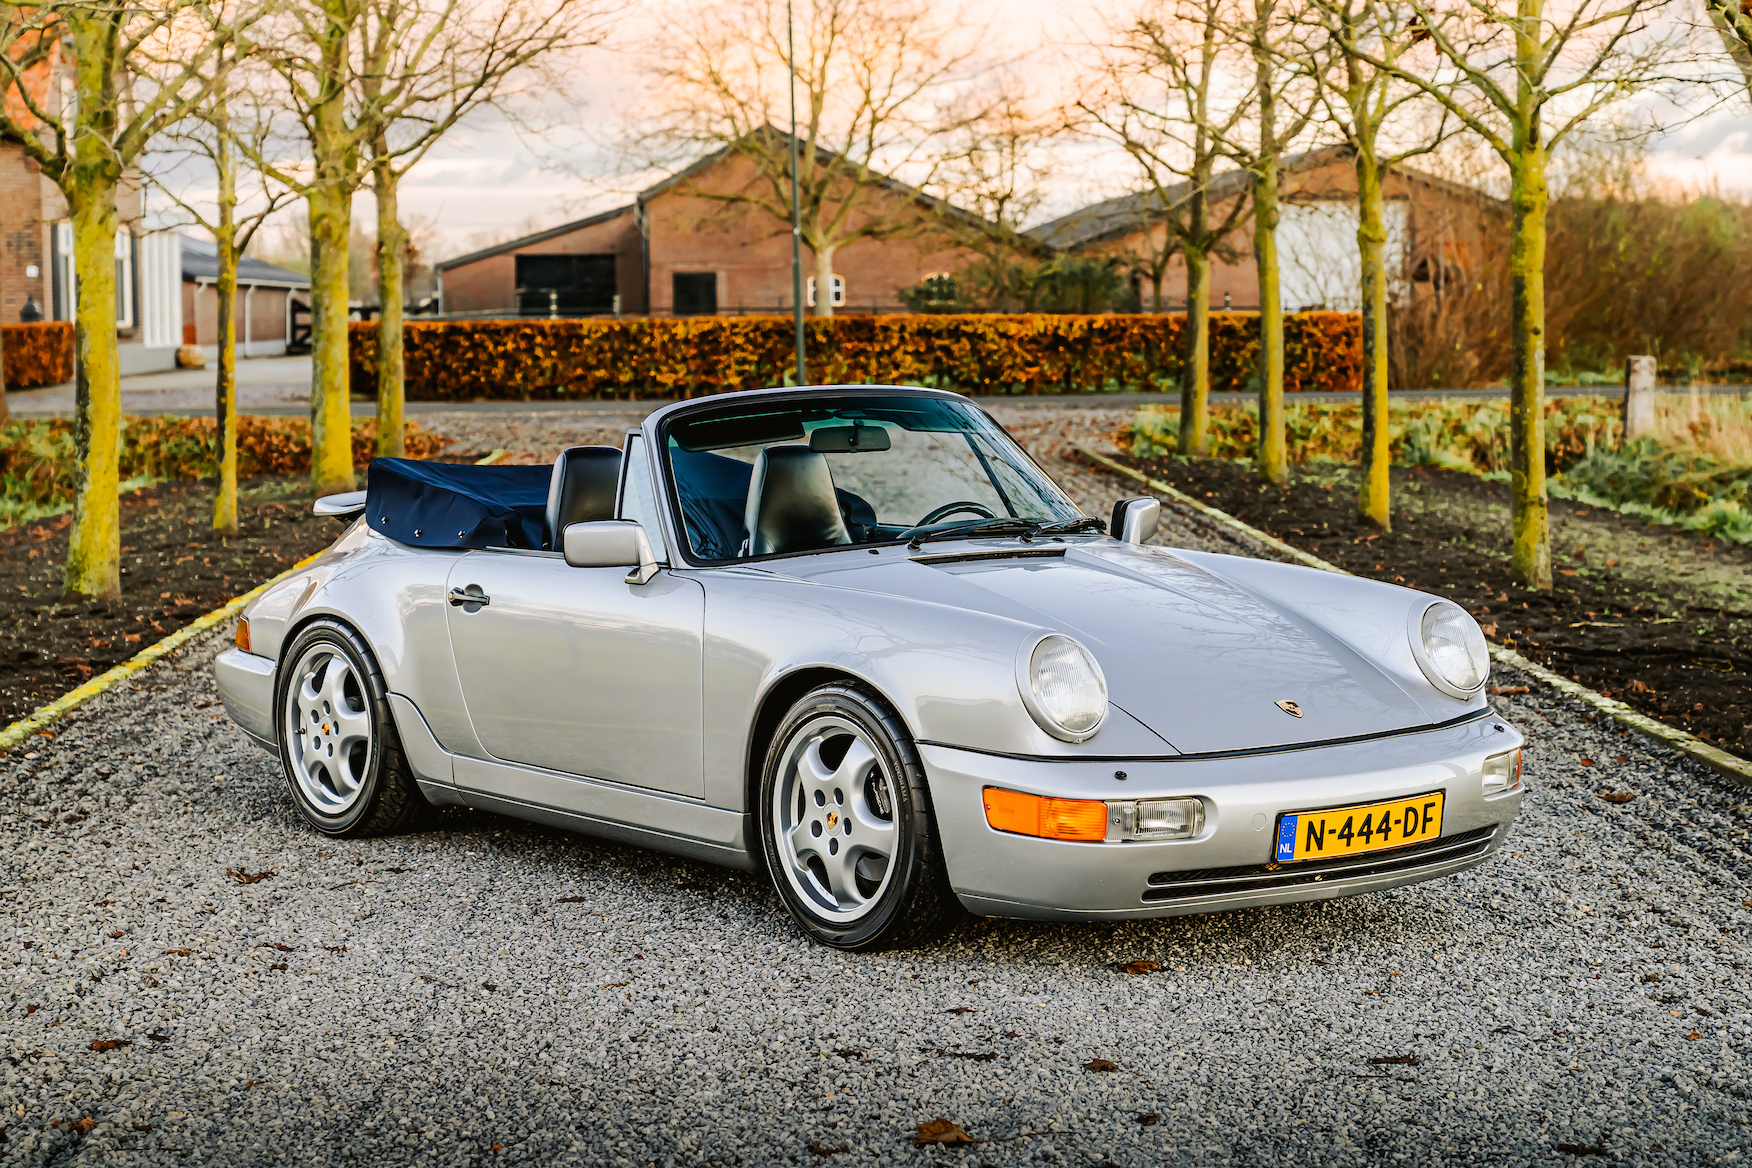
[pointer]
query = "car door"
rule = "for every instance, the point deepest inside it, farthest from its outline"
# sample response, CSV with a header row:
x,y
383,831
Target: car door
x,y
575,670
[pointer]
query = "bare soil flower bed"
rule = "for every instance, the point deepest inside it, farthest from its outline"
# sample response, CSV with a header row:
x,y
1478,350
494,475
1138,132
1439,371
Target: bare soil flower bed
x,y
173,570
1658,618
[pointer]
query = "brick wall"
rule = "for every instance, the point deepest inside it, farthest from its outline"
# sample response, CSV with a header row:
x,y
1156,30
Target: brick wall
x,y
490,283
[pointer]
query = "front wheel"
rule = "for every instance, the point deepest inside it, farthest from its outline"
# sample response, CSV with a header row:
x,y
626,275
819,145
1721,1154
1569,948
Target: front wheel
x,y
338,740
847,829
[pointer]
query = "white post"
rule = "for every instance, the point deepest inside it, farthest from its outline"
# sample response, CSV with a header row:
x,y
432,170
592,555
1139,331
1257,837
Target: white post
x,y
1639,397
248,334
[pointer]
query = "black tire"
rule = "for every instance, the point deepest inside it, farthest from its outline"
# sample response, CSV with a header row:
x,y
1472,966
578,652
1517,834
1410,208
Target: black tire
x,y
386,800
911,903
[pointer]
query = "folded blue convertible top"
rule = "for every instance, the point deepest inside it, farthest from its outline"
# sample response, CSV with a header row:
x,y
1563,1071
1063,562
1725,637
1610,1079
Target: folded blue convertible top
x,y
442,504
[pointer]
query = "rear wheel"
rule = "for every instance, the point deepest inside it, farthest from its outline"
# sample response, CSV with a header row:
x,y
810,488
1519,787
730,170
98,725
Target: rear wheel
x,y
338,741
847,828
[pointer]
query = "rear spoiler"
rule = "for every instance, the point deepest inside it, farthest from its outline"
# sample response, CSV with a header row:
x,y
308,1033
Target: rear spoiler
x,y
343,506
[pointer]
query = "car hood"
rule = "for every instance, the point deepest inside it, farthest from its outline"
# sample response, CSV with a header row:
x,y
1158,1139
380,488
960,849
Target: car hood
x,y
1201,662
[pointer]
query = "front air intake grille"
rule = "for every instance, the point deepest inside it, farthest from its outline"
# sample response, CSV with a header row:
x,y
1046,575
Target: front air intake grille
x,y
1217,881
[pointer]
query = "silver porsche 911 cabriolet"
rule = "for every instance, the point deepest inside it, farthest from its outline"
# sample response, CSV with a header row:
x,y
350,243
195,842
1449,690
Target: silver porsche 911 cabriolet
x,y
856,638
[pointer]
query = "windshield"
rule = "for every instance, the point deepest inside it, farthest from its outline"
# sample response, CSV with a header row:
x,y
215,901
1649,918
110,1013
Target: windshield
x,y
785,476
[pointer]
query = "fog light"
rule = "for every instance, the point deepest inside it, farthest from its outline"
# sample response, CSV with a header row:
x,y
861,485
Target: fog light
x,y
243,633
1155,819
1502,773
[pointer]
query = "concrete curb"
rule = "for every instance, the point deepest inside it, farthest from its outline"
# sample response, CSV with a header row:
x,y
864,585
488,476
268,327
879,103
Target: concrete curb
x,y
16,734
1713,757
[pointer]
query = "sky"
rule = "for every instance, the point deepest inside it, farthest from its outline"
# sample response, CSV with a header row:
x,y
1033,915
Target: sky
x,y
488,181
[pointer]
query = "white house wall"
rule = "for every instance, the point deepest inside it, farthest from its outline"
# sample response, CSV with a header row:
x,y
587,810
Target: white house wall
x,y
1319,266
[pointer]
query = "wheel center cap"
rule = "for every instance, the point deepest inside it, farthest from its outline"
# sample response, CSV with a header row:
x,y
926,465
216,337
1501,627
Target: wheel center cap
x,y
832,820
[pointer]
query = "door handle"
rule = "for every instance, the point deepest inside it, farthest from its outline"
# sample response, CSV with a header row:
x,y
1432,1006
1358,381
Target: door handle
x,y
461,596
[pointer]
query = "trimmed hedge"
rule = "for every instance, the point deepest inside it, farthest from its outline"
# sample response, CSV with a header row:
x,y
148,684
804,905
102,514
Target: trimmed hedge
x,y
40,353
557,360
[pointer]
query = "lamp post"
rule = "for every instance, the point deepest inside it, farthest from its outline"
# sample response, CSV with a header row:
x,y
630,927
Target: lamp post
x,y
796,210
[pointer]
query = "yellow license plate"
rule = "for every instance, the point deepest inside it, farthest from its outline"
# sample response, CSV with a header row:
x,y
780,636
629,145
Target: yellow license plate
x,y
1366,827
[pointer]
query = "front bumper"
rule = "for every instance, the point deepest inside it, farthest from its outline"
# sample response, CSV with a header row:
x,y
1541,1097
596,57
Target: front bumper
x,y
246,686
1229,865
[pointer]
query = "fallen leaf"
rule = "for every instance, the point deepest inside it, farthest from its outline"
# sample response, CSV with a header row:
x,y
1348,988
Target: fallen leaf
x,y
1397,1060
941,1131
1509,689
1621,758
157,1037
281,966
1150,1120
1587,762
1140,967
335,948
962,1010
570,900
116,934
32,1008
280,947
856,1052
85,1125
975,1055
1618,796
176,952
821,1149
1100,1065
242,877
110,1043
490,986
1693,1036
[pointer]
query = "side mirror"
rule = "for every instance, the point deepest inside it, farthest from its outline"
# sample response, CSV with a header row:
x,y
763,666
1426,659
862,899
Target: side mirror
x,y
1135,518
610,543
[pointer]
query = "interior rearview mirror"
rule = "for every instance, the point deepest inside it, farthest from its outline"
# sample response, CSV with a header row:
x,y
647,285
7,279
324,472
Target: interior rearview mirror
x,y
610,543
1135,519
849,439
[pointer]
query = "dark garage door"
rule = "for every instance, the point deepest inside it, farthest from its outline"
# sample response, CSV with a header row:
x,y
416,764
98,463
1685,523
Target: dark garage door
x,y
571,285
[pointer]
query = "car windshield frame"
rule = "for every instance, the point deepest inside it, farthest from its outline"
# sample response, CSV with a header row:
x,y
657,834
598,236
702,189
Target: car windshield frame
x,y
853,397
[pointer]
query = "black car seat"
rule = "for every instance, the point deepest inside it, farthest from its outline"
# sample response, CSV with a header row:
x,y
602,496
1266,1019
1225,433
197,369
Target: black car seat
x,y
791,503
581,489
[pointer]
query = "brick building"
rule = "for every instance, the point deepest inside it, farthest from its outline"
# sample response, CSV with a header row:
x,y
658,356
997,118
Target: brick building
x,y
680,248
266,297
1436,230
36,265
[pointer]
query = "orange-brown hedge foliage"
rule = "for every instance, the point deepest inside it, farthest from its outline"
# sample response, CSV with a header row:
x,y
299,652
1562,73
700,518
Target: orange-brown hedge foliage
x,y
548,360
40,353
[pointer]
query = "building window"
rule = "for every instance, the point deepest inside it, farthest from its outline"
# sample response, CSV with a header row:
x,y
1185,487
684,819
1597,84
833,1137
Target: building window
x,y
694,293
839,291
124,279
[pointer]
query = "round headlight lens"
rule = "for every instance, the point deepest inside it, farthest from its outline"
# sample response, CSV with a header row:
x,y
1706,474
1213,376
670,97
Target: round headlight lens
x,y
1069,692
1454,646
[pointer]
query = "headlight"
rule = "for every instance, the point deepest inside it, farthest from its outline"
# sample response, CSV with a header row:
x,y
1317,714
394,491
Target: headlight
x,y
1062,687
1502,773
1450,649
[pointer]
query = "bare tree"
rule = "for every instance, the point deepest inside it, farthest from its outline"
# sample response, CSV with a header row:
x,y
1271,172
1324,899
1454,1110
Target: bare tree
x,y
1523,76
85,85
221,134
1284,104
439,63
1170,89
876,82
1378,116
991,175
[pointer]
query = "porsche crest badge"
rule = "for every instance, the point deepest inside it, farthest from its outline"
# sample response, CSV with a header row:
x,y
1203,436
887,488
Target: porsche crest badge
x,y
1289,707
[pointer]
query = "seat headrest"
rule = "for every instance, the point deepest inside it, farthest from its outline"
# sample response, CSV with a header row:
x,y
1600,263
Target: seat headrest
x,y
791,503
582,488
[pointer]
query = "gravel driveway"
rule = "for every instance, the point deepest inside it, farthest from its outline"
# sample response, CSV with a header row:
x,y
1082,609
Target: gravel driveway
x,y
187,975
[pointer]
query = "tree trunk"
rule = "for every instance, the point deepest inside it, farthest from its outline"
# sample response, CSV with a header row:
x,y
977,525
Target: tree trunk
x,y
823,280
391,247
331,441
94,546
225,393
5,407
1270,455
1373,493
225,384
1195,376
1530,560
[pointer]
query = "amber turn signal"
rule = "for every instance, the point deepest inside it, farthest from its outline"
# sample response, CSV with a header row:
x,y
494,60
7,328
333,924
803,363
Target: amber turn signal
x,y
243,633
1061,819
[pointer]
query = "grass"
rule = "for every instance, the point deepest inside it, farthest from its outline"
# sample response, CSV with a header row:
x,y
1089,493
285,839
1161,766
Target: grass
x,y
1693,472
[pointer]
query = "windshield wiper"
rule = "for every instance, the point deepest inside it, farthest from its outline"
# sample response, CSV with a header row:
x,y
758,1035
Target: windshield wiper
x,y
1068,526
972,527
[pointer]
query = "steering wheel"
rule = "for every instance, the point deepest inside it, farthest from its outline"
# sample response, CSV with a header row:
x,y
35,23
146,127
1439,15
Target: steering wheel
x,y
949,509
